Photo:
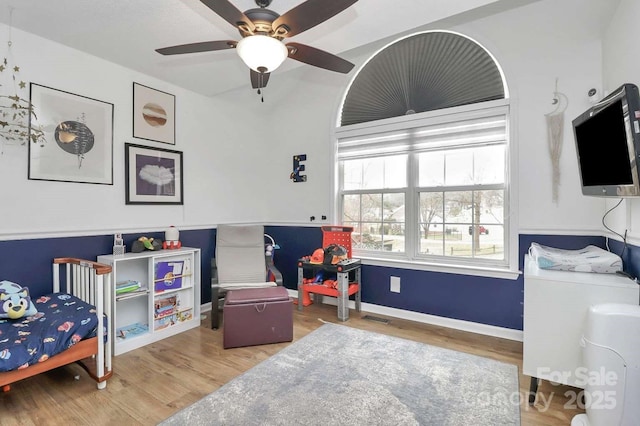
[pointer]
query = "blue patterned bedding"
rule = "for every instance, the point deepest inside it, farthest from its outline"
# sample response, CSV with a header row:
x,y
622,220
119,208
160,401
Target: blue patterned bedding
x,y
62,321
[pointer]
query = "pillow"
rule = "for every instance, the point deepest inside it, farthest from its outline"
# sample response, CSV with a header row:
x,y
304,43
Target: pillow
x,y
15,301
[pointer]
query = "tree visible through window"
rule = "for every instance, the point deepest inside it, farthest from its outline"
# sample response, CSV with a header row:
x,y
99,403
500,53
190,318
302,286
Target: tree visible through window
x,y
431,183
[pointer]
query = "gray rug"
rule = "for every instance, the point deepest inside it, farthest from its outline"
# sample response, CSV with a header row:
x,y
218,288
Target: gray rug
x,y
339,375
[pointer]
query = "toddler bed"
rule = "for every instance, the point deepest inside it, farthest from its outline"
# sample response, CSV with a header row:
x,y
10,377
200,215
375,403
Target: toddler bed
x,y
59,328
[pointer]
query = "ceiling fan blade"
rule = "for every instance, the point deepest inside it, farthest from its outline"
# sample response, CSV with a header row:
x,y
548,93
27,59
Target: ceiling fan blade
x,y
259,81
309,14
204,46
229,13
318,58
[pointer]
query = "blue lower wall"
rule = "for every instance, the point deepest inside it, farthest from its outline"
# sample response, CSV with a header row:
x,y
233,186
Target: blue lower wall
x,y
484,300
630,257
28,262
490,301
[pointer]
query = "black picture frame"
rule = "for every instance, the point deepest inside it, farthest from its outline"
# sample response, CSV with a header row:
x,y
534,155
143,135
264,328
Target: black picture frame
x,y
77,137
154,114
153,175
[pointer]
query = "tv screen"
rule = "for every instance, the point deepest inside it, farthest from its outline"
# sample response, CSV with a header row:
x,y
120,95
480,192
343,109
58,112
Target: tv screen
x,y
602,148
606,141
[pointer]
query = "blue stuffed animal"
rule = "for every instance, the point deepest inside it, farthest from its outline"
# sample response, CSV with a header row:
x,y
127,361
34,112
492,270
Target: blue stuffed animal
x,y
14,301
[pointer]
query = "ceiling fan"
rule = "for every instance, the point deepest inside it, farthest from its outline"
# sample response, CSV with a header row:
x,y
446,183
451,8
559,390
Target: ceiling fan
x,y
262,31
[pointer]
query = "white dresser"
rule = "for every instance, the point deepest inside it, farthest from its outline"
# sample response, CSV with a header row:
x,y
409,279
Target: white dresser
x,y
555,310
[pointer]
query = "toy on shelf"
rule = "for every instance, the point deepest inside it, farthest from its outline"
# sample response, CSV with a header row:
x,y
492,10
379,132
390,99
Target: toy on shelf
x,y
144,243
171,238
118,245
334,253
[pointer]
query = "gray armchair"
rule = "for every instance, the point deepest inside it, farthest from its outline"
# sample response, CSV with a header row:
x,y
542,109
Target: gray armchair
x,y
239,262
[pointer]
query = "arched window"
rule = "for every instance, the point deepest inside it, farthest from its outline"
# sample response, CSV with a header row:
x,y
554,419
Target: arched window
x,y
422,153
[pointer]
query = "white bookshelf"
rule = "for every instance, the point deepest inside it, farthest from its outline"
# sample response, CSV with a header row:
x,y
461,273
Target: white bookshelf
x,y
164,298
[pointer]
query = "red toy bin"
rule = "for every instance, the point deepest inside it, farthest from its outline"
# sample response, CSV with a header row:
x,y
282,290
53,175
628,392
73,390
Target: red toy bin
x,y
337,234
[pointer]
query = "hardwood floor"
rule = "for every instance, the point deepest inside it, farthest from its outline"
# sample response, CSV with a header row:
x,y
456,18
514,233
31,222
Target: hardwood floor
x,y
151,383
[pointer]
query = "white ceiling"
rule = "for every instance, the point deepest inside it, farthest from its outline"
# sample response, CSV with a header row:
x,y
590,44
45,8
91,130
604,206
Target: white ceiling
x,y
127,32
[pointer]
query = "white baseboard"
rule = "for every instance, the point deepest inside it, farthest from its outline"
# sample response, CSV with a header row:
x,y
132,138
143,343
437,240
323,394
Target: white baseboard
x,y
471,327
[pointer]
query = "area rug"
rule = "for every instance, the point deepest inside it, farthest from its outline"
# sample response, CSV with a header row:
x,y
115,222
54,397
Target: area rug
x,y
337,375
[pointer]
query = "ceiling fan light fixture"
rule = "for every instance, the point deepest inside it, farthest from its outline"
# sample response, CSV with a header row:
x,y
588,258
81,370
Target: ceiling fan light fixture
x,y
262,52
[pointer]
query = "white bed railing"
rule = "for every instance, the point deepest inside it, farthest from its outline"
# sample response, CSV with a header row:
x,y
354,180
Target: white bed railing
x,y
91,282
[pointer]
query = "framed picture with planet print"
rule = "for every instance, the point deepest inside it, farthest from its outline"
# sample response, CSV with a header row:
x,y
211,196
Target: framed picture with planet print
x,y
78,137
154,114
152,175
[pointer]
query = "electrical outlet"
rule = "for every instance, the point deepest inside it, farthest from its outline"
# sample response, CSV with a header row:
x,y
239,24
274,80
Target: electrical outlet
x,y
394,286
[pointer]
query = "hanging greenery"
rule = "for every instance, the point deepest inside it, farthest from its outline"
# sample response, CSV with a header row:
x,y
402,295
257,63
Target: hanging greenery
x,y
15,110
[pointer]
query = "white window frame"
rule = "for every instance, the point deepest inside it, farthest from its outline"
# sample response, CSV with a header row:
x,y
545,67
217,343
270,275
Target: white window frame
x,y
410,259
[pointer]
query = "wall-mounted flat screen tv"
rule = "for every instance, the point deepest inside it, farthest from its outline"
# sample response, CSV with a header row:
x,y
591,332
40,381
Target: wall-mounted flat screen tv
x,y
607,138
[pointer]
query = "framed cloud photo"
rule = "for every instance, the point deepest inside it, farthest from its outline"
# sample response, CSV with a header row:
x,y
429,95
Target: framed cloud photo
x,y
153,175
154,114
76,143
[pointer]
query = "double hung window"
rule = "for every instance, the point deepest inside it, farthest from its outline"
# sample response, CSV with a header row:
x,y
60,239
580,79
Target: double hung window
x,y
429,187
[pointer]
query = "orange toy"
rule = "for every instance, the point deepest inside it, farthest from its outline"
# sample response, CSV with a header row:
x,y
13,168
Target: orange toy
x,y
306,300
330,283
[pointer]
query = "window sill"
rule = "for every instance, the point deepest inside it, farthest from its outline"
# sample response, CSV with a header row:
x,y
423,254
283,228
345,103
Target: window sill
x,y
501,273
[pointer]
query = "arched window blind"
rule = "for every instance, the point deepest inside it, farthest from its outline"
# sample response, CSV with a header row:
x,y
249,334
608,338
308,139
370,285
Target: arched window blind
x,y
430,183
423,72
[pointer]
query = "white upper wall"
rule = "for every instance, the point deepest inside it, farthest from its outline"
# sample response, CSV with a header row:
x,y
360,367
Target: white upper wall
x,y
535,45
238,151
223,162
